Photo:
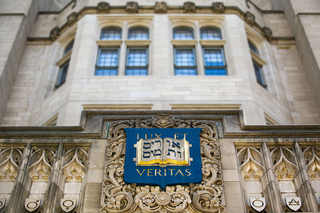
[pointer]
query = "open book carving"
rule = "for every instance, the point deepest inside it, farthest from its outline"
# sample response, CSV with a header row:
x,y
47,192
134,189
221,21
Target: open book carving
x,y
163,152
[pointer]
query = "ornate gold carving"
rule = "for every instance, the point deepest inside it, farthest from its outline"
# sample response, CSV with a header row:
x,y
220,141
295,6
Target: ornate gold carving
x,y
218,7
41,164
9,164
74,164
160,7
312,158
121,197
250,163
189,7
284,163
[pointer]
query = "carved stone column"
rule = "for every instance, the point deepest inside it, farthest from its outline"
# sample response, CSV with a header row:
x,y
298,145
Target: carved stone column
x,y
272,188
306,185
19,191
54,191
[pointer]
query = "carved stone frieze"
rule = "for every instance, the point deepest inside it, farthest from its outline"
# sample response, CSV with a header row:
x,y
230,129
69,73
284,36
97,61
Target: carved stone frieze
x,y
284,163
121,197
160,7
251,166
9,164
41,164
249,18
189,7
267,32
103,7
74,164
132,7
218,7
312,158
72,18
55,33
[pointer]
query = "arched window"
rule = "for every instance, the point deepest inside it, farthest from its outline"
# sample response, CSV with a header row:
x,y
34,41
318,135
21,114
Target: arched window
x,y
253,47
138,33
210,33
110,33
183,33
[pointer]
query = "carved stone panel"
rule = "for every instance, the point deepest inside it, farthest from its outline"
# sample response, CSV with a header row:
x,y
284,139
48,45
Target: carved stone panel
x,y
284,163
189,7
267,32
218,7
55,33
312,158
72,18
117,196
132,7
74,164
41,164
249,18
9,163
103,7
160,7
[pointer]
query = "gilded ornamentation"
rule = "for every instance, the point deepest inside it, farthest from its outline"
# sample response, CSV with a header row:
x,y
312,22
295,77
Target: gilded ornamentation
x,y
41,164
132,7
284,163
160,7
218,7
249,18
103,7
189,7
72,18
121,197
312,158
250,163
9,164
55,33
74,164
267,32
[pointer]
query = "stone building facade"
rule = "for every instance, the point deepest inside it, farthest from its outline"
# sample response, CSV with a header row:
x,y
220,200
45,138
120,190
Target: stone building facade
x,y
75,74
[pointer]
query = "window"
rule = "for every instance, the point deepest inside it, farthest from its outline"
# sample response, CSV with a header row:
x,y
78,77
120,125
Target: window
x,y
214,62
137,61
69,47
257,64
259,76
210,34
110,34
63,74
183,33
138,33
253,48
107,63
185,63
63,63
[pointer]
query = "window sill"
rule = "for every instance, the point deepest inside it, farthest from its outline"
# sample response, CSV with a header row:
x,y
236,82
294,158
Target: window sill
x,y
64,59
184,43
212,43
109,43
257,59
137,43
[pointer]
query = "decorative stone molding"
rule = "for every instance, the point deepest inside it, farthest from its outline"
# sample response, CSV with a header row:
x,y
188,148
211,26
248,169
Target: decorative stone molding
x,y
251,163
9,166
189,7
132,7
32,204
2,203
267,32
72,18
74,4
68,205
41,164
160,7
121,197
249,18
55,33
312,158
74,164
103,7
218,7
284,165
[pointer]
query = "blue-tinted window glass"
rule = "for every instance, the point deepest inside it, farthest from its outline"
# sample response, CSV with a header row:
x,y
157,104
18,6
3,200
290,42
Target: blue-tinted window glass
x,y
182,34
257,70
253,48
216,71
62,74
136,72
137,57
186,72
210,34
106,72
111,34
185,57
108,58
69,47
138,34
213,57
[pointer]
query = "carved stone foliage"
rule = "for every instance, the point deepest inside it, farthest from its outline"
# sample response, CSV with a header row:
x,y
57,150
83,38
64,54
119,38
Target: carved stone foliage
x,y
74,164
40,166
189,7
267,32
312,158
218,7
249,18
10,160
55,33
103,7
132,7
251,165
72,18
284,163
121,197
160,7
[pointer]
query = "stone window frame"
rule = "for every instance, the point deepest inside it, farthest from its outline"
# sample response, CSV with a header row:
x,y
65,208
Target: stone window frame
x,y
107,67
110,28
258,64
